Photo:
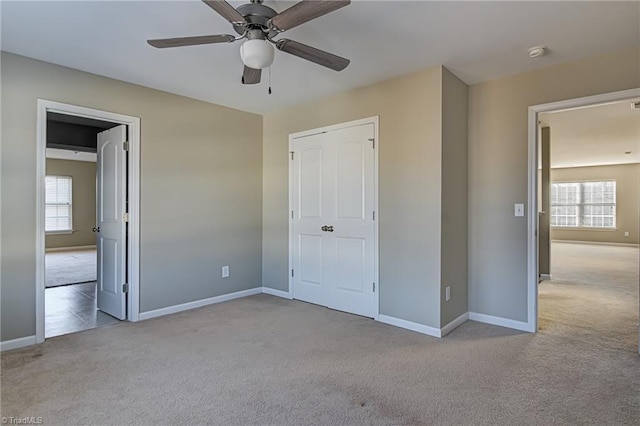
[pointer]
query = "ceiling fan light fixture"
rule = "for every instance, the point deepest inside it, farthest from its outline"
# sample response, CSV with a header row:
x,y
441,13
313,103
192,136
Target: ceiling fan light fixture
x,y
257,54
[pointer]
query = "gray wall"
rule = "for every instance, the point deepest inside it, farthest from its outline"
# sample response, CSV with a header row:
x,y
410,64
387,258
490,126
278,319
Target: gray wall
x,y
454,197
201,188
498,152
409,185
83,174
627,177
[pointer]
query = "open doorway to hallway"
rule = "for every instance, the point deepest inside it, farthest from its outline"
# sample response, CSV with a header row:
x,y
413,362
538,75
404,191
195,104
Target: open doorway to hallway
x,y
588,206
117,206
71,260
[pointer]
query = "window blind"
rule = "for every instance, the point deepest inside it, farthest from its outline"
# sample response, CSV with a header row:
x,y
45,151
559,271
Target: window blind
x,y
58,200
583,204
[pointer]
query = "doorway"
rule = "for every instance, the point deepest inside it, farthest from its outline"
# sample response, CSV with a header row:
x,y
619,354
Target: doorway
x,y
583,219
80,285
333,227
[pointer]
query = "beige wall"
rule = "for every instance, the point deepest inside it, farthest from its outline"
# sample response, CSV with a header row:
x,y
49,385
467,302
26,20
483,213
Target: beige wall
x,y
205,180
627,177
201,188
498,153
409,185
83,175
454,197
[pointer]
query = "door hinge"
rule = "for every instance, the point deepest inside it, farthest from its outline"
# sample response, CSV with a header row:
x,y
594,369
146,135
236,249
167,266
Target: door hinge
x,y
374,287
373,143
125,145
125,217
125,288
291,214
292,152
292,273
374,215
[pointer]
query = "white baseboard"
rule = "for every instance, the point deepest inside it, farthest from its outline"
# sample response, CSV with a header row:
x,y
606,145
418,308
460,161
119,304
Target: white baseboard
x,y
454,324
54,249
544,277
502,322
278,293
413,326
596,243
7,345
199,303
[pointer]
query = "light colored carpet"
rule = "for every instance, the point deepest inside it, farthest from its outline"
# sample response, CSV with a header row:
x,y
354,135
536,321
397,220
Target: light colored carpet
x,y
593,295
70,267
269,361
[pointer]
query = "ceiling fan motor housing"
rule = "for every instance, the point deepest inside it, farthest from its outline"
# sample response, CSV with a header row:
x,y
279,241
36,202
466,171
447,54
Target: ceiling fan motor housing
x,y
257,16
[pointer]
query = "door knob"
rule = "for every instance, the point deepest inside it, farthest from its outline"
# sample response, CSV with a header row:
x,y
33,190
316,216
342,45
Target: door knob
x,y
96,229
330,228
325,228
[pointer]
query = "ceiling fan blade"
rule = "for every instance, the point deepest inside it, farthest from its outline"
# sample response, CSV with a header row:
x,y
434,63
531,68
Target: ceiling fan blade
x,y
312,54
305,11
226,11
161,43
251,75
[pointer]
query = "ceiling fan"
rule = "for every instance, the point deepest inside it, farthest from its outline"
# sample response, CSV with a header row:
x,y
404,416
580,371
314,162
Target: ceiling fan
x,y
259,24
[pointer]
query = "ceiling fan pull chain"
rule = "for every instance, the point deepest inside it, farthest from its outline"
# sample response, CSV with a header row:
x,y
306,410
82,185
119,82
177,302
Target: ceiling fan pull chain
x,y
269,80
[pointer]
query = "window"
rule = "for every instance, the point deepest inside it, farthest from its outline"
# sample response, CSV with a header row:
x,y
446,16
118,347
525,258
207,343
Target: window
x,y
58,204
583,204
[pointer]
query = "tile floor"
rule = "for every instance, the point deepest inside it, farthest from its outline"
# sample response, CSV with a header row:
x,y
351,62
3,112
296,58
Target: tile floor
x,y
72,308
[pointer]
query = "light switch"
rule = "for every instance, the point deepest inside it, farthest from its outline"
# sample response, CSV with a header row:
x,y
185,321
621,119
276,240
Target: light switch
x,y
519,210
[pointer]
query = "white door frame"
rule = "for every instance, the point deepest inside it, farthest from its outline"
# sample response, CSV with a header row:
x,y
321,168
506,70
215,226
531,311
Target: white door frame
x,y
376,257
133,257
532,211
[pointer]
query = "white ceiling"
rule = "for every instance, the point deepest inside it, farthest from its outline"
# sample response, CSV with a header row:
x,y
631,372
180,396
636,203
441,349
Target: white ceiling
x,y
594,136
476,40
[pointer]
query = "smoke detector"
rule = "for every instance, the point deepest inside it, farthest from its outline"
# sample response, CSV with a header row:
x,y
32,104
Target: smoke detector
x,y
537,51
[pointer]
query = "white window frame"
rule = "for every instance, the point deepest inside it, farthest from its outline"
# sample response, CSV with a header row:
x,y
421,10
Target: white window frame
x,y
581,204
70,229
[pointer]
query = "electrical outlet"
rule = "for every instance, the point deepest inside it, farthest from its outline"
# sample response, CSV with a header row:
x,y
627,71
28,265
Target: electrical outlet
x,y
626,233
225,271
447,293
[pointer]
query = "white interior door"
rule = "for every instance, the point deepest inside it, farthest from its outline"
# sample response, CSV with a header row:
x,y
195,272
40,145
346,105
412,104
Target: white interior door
x,y
333,240
309,217
111,228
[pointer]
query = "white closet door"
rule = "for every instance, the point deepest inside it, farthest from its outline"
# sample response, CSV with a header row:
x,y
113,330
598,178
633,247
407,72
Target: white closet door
x,y
349,210
333,187
309,193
